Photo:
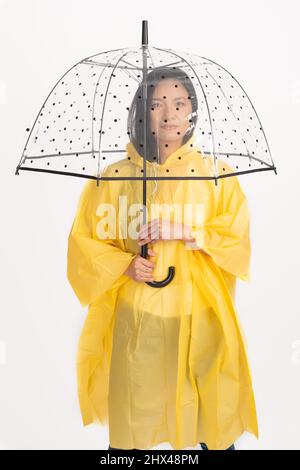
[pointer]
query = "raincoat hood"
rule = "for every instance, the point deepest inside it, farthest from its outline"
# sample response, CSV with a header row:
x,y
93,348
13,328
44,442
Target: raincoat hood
x,y
175,158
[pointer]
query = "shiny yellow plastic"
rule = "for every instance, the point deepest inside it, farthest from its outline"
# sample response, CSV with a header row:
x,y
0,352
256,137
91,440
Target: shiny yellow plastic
x,y
164,364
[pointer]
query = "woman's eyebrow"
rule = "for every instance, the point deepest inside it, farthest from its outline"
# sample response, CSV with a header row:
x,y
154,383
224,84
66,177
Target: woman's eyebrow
x,y
177,98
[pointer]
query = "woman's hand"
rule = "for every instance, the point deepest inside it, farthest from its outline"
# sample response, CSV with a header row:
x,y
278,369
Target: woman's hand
x,y
140,269
162,229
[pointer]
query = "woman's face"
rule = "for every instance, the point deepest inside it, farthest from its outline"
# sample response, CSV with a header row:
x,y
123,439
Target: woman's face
x,y
170,111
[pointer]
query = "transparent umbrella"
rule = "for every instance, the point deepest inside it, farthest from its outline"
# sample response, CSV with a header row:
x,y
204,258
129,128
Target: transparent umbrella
x,y
104,108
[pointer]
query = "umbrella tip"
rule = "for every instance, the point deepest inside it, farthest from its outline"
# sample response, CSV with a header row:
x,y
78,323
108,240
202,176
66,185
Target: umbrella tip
x,y
144,33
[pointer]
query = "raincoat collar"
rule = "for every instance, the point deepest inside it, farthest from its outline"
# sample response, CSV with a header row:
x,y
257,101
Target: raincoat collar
x,y
172,159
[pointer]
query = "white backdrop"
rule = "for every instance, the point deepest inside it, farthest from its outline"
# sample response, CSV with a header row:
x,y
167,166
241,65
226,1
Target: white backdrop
x,y
41,319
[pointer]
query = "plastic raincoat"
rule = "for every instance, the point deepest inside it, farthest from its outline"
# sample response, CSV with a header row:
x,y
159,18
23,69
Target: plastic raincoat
x,y
164,364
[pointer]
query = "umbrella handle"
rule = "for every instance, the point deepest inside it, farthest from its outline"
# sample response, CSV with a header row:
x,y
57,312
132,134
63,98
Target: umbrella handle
x,y
164,282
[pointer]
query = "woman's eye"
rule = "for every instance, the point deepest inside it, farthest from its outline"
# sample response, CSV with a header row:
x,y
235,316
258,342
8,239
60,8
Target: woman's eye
x,y
178,103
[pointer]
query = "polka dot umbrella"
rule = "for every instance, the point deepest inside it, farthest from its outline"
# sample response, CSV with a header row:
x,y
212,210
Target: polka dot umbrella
x,y
104,108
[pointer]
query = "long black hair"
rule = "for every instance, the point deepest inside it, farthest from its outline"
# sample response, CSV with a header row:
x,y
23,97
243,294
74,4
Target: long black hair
x,y
136,112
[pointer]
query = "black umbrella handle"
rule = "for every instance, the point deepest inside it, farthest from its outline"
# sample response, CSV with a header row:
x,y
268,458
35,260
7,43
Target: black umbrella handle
x,y
169,277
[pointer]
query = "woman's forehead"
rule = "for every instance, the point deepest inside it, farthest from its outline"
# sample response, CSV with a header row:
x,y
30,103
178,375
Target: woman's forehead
x,y
170,88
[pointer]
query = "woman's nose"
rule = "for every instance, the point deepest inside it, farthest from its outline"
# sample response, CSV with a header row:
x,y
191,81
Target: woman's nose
x,y
169,114
169,117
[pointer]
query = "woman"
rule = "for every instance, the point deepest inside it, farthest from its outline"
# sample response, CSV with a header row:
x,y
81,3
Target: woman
x,y
164,364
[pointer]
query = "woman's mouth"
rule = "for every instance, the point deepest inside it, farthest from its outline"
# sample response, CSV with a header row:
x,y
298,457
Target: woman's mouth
x,y
169,127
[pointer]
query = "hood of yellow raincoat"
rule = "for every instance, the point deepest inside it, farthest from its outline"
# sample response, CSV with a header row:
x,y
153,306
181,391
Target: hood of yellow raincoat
x,y
187,160
174,158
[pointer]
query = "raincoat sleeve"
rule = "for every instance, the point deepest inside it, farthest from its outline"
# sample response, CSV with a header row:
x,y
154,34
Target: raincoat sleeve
x,y
94,265
226,235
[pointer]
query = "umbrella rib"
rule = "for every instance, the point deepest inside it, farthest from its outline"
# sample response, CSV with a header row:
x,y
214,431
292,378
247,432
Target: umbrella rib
x,y
103,108
93,109
250,103
103,64
131,75
131,65
140,178
23,157
230,107
240,155
35,157
207,107
28,157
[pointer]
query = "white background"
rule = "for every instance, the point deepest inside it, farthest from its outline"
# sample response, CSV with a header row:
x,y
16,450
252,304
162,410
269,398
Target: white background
x,y
41,319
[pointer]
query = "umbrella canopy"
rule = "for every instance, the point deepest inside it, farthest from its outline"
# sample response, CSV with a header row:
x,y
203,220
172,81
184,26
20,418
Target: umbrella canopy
x,y
110,99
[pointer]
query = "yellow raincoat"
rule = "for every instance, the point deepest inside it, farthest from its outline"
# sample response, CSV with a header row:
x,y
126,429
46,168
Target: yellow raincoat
x,y
164,364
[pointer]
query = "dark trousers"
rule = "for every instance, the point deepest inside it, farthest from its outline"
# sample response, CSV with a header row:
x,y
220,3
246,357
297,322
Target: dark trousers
x,y
203,447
